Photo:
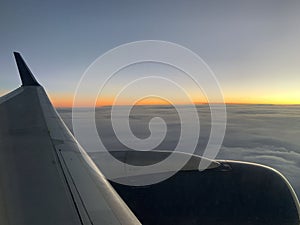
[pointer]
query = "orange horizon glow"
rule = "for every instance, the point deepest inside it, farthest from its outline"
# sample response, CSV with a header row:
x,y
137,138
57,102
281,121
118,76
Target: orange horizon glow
x,y
67,101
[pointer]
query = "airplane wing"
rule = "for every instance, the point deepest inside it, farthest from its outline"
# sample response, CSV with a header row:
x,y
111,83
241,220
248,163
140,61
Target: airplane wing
x,y
45,175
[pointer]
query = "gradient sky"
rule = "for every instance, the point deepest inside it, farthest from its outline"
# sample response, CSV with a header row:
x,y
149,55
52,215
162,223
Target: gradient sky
x,y
252,46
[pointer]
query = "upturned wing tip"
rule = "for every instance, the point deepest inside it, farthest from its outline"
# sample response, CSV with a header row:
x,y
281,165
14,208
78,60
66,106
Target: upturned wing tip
x,y
26,75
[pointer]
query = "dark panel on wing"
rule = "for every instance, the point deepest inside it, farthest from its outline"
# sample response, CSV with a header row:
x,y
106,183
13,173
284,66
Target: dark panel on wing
x,y
233,193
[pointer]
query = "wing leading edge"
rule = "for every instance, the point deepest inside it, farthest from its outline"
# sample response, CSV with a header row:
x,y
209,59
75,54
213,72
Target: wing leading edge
x,y
45,175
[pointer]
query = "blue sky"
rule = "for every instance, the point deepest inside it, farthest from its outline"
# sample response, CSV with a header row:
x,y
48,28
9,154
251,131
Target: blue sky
x,y
252,46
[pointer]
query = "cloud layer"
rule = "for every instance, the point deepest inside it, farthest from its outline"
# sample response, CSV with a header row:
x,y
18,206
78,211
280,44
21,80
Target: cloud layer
x,y
266,134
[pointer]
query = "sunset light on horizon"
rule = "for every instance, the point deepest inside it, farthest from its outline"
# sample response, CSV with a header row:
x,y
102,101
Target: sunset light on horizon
x,y
292,99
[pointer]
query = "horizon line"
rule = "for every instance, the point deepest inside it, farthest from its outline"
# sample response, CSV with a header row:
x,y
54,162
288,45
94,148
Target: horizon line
x,y
196,104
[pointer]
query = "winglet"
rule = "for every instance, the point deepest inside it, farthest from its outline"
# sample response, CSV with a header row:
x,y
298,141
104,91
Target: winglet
x,y
26,76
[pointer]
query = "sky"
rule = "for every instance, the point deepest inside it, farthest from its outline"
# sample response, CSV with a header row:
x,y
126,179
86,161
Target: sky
x,y
251,46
